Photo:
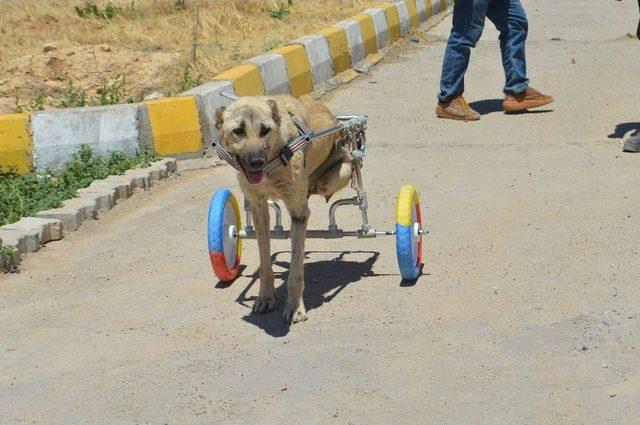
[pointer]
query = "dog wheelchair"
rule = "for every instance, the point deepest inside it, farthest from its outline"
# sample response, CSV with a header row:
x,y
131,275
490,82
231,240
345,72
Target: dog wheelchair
x,y
226,231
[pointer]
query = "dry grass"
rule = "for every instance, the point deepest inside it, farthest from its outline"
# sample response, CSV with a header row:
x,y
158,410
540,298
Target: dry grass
x,y
230,31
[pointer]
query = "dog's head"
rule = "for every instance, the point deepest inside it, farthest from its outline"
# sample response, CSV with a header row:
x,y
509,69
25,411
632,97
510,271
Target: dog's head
x,y
250,131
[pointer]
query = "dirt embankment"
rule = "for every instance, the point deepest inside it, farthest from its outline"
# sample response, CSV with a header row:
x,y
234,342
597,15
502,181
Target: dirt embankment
x,y
49,74
141,46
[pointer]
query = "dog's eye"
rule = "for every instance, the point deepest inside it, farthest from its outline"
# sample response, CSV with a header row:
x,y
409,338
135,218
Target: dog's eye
x,y
239,131
264,130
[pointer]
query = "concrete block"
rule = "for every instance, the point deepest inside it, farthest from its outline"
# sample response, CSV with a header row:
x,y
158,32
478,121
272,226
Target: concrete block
x,y
58,134
246,80
319,54
120,185
208,99
354,38
422,10
104,198
173,126
298,68
368,32
403,14
20,239
124,186
46,229
412,7
339,47
13,239
16,149
273,71
140,177
393,20
171,164
157,172
88,207
71,218
381,27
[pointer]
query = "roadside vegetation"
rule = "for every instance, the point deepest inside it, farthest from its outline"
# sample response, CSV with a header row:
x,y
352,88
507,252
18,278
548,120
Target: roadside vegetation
x,y
23,195
64,53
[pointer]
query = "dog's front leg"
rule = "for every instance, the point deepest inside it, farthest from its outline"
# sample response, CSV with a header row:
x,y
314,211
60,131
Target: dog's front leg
x,y
266,300
295,312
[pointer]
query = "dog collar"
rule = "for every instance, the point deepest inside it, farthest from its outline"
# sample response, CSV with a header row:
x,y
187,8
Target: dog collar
x,y
298,143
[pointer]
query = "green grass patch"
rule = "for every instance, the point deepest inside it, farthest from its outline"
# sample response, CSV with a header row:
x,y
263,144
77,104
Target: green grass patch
x,y
23,195
90,9
7,254
283,10
188,81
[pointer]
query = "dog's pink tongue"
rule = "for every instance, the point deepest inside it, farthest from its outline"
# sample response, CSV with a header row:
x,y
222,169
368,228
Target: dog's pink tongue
x,y
255,177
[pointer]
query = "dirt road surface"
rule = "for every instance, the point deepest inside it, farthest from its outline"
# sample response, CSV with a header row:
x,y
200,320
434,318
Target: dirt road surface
x,y
528,311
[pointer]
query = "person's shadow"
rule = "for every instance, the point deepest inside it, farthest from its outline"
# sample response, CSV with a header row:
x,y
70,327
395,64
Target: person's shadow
x,y
324,280
623,128
489,106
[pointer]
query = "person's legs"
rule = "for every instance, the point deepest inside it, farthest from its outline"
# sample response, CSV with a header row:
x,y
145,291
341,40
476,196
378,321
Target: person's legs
x,y
510,19
468,22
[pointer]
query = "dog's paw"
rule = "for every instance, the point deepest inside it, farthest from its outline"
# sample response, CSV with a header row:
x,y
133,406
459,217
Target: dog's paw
x,y
294,314
264,305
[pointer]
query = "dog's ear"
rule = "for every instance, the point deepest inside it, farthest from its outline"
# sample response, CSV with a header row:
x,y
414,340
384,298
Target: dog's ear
x,y
218,116
275,111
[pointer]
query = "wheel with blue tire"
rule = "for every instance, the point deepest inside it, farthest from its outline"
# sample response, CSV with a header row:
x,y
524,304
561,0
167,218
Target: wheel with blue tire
x,y
408,235
224,247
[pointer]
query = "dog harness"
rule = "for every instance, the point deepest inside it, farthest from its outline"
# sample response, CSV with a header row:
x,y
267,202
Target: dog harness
x,y
296,144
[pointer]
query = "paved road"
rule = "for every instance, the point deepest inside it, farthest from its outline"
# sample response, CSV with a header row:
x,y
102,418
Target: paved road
x,y
528,312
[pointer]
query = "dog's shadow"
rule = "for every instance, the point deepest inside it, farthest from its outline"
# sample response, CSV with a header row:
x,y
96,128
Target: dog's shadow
x,y
324,280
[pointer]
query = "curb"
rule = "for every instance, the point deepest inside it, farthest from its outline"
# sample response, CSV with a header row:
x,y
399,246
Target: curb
x,y
183,126
29,234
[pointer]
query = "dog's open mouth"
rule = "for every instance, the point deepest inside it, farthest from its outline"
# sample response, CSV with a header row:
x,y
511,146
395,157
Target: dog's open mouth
x,y
255,177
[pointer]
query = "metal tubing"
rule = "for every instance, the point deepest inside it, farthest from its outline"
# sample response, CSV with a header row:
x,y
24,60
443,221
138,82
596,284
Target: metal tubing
x,y
334,207
276,208
247,211
362,197
317,234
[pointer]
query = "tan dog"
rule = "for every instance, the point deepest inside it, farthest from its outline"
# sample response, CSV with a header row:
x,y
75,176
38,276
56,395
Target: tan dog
x,y
254,130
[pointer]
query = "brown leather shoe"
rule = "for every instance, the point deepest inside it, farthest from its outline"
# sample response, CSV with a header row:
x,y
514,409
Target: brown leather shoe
x,y
530,98
456,109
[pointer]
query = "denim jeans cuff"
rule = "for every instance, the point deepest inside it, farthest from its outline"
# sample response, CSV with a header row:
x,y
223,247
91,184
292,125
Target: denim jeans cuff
x,y
517,89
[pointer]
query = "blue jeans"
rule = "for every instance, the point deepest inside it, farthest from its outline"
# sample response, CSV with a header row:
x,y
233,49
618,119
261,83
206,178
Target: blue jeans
x,y
468,21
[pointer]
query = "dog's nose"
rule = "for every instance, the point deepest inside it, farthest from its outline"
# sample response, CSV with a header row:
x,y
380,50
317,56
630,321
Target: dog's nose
x,y
256,163
256,160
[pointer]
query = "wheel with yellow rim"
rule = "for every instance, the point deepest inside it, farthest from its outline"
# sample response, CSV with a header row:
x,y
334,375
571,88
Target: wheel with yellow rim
x,y
408,232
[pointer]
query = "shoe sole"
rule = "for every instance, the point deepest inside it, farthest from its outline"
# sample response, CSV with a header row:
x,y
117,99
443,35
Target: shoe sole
x,y
632,146
446,116
523,106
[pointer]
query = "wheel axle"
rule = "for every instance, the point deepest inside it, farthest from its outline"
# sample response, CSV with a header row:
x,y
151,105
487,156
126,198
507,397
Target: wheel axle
x,y
250,233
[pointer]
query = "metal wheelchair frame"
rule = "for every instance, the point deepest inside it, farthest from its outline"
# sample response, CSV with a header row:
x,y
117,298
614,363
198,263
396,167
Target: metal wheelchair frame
x,y
353,136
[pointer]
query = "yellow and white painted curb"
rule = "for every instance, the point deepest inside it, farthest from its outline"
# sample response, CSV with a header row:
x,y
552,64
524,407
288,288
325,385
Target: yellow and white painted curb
x,y
183,126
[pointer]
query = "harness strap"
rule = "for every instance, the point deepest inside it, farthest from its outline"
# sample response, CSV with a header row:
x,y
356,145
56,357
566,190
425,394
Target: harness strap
x,y
285,155
226,156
